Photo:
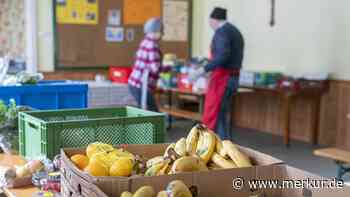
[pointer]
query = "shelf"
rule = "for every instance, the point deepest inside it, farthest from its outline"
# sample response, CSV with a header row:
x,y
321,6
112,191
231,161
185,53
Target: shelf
x,y
182,113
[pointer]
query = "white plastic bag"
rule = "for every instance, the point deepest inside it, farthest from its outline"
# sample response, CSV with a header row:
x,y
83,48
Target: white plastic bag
x,y
201,85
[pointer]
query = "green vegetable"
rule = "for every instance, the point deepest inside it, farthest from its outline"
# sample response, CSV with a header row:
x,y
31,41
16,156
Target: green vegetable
x,y
3,110
8,123
12,110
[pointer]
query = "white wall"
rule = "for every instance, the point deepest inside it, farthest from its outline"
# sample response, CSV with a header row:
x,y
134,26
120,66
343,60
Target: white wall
x,y
310,36
341,40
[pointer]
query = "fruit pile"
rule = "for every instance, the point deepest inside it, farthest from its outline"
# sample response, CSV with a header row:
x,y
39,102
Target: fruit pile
x,y
202,150
104,160
174,189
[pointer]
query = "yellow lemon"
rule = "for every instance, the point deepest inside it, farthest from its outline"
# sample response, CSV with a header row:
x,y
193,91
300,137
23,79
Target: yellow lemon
x,y
122,167
103,158
98,147
96,168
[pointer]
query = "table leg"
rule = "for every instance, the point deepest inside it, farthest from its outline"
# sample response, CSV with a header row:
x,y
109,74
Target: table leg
x,y
316,120
170,103
342,169
286,102
201,105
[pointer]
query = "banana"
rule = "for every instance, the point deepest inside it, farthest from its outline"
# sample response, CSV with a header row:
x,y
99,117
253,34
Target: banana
x,y
186,164
171,146
206,146
162,194
213,166
192,139
180,147
146,191
165,169
154,161
222,162
237,156
178,189
154,170
219,148
126,194
203,166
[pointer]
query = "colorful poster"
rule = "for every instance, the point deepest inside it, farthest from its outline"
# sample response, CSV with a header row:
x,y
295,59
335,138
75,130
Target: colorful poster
x,y
114,17
137,12
114,34
175,19
130,34
82,12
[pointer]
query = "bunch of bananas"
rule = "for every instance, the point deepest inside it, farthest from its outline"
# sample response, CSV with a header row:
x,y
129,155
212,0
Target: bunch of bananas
x,y
202,150
174,189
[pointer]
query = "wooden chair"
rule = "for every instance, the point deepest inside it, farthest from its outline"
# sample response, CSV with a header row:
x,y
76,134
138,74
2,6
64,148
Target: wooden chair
x,y
341,158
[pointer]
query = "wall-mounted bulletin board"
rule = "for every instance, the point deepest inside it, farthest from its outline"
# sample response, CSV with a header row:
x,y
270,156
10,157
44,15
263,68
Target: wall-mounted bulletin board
x,y
99,33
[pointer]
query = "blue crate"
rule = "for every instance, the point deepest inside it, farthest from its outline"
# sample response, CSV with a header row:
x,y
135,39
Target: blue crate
x,y
47,95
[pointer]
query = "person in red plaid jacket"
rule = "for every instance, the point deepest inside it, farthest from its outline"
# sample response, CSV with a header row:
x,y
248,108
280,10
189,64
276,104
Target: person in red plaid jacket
x,y
148,62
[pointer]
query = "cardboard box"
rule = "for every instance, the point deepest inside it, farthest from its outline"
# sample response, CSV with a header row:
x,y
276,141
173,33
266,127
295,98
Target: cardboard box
x,y
218,183
114,186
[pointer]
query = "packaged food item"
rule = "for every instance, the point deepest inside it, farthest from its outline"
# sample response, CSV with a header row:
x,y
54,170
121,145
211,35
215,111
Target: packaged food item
x,y
7,176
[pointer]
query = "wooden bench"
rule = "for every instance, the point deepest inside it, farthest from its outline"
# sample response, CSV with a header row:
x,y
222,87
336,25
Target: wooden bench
x,y
341,157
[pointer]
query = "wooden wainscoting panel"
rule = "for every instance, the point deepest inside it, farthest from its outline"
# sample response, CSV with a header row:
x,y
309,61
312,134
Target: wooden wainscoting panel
x,y
262,112
343,126
256,111
328,116
301,119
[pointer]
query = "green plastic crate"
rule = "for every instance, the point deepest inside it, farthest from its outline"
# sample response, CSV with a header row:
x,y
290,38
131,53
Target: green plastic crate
x,y
44,133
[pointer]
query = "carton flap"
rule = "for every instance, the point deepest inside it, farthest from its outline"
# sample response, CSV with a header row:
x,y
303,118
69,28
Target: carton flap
x,y
285,172
259,158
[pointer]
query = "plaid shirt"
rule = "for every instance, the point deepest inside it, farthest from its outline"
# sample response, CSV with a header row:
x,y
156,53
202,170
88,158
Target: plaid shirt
x,y
148,57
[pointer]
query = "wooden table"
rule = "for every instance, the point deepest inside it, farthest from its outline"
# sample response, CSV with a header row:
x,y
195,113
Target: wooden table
x,y
287,98
173,110
11,161
340,156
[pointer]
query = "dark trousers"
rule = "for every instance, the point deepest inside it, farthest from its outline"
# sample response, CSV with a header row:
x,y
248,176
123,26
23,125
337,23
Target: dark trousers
x,y
223,123
151,102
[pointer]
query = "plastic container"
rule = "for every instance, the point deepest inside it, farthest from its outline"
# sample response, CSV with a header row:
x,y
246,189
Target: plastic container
x,y
43,133
119,74
47,95
183,82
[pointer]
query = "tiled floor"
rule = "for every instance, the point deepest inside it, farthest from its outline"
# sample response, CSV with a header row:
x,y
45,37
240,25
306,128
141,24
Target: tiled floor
x,y
299,154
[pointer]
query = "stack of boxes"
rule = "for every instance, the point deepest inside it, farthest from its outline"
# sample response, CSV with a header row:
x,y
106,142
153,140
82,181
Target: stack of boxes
x,y
103,94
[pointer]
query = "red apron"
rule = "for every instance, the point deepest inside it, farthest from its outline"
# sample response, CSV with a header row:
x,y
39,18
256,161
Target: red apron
x,y
216,91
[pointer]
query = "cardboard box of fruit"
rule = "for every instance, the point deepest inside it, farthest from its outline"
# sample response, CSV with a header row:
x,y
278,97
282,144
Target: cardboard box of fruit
x,y
201,159
202,162
200,184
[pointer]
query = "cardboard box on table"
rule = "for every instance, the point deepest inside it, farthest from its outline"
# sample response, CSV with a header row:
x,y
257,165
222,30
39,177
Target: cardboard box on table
x,y
218,183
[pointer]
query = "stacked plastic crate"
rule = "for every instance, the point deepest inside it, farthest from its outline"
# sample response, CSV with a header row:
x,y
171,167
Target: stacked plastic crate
x,y
103,94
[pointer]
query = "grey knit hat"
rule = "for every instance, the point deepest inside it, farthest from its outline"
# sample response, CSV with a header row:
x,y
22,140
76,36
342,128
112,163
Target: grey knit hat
x,y
153,25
